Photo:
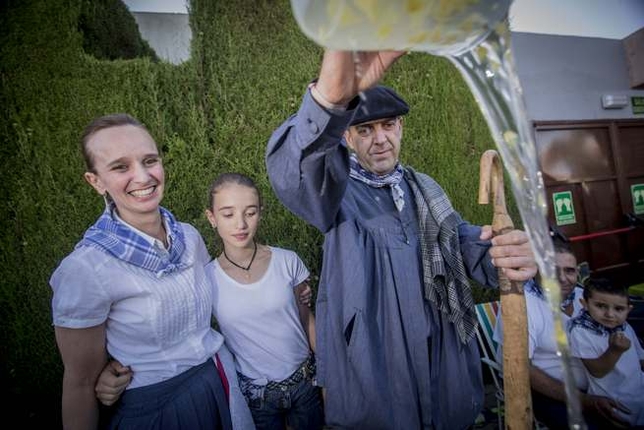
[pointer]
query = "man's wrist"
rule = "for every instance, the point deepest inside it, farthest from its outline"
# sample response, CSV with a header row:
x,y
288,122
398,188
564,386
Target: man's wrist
x,y
323,101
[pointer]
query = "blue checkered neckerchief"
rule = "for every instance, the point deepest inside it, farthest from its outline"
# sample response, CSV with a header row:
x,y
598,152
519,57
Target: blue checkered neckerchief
x,y
532,287
584,320
118,240
535,289
567,301
391,179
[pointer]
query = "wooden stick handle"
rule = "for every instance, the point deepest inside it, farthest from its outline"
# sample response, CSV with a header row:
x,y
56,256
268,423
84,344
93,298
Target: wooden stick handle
x,y
516,376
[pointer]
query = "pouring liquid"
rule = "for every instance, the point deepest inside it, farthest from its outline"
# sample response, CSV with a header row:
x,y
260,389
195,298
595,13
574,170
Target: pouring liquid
x,y
474,35
489,72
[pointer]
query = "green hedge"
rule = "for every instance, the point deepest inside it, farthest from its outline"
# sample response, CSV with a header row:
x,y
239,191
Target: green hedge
x,y
249,68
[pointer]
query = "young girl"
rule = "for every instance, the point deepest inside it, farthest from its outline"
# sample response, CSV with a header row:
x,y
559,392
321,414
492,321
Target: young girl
x,y
271,334
609,348
135,287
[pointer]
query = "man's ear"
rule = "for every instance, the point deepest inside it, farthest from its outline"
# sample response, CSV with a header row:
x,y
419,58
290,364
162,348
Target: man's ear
x,y
95,182
348,137
583,303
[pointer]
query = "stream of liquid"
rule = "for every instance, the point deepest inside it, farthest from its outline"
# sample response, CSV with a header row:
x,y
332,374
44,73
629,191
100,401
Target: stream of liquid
x,y
474,36
490,74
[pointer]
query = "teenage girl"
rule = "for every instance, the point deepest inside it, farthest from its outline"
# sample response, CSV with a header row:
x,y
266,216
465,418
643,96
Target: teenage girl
x,y
270,332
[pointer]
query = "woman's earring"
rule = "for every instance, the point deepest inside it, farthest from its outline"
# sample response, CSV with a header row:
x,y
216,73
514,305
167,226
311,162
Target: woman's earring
x,y
107,199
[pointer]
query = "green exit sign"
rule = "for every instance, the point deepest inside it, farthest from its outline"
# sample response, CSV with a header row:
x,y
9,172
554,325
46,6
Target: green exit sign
x,y
637,193
564,208
638,104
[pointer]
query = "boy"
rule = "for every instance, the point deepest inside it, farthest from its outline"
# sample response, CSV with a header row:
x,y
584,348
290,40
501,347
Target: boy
x,y
609,348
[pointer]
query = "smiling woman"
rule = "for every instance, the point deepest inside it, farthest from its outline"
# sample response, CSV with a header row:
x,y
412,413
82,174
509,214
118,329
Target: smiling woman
x,y
130,176
118,291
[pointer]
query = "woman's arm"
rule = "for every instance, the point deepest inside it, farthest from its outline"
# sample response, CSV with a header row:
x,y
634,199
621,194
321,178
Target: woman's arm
x,y
84,355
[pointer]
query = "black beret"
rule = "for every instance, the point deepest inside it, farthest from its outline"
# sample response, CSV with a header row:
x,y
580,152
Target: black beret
x,y
379,102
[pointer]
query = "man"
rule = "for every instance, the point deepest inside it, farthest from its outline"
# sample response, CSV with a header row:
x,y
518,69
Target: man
x,y
546,371
396,319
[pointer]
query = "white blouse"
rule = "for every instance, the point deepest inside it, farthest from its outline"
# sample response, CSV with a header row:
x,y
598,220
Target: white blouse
x,y
159,326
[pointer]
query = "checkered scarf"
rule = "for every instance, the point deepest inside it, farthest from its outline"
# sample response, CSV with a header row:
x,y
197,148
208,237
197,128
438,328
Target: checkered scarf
x,y
118,240
584,320
445,280
569,299
531,287
391,179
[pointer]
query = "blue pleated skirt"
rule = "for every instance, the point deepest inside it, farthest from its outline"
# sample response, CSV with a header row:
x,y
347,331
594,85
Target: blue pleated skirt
x,y
193,400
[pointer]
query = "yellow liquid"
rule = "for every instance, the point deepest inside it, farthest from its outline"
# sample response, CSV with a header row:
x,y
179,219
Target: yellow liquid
x,y
489,72
475,37
441,27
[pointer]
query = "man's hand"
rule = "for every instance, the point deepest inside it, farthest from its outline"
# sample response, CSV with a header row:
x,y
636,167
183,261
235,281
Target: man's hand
x,y
606,409
511,252
344,74
112,382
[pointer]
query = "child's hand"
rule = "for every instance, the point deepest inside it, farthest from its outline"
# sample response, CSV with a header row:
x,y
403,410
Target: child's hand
x,y
304,294
618,342
112,382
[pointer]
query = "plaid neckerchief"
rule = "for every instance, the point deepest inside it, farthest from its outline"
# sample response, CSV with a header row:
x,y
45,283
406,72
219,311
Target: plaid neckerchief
x,y
532,287
391,179
569,299
445,279
584,320
118,240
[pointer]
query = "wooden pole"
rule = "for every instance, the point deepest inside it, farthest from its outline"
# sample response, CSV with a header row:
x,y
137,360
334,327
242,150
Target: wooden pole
x,y
516,377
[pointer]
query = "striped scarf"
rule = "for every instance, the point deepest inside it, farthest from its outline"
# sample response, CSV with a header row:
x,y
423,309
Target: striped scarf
x,y
391,179
118,240
445,281
584,320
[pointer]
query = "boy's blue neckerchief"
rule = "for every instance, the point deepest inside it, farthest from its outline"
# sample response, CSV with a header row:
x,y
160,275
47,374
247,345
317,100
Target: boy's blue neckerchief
x,y
584,320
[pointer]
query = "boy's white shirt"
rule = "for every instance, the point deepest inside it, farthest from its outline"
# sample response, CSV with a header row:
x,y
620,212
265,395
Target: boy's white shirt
x,y
625,383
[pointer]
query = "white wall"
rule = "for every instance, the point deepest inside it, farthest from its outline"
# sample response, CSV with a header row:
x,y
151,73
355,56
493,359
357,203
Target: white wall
x,y
610,19
165,25
564,77
168,34
157,6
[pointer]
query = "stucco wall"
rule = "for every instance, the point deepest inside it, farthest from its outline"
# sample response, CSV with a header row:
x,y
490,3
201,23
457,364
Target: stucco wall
x,y
564,77
168,34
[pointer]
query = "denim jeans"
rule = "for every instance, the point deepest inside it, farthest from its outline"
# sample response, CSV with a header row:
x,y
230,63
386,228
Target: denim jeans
x,y
299,405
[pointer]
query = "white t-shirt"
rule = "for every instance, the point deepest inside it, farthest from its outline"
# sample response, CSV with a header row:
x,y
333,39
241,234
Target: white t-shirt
x,y
542,346
625,382
260,321
159,326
